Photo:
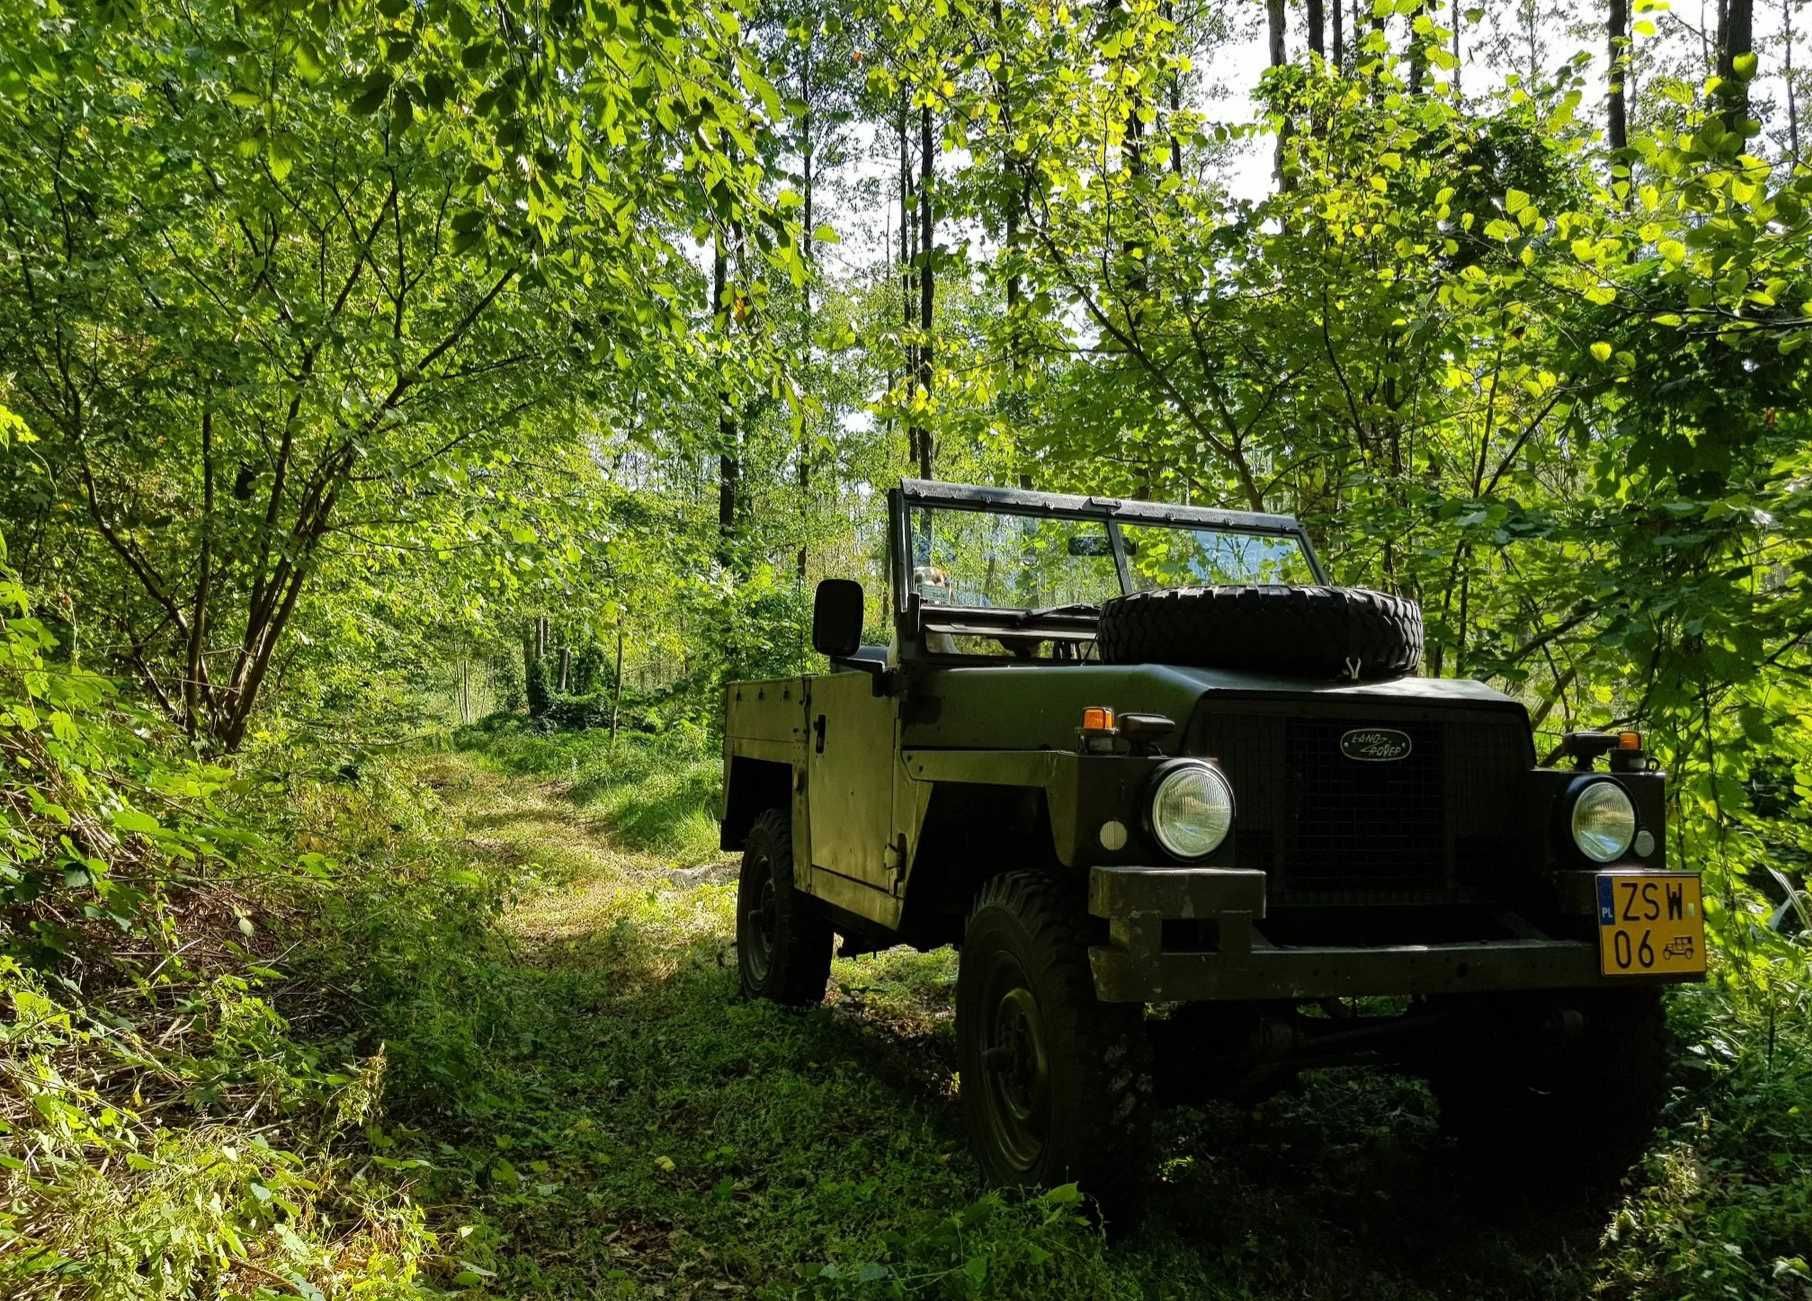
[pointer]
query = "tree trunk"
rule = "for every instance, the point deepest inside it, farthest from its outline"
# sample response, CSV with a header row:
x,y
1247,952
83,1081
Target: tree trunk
x,y
1317,24
1456,49
1532,35
1787,67
1736,37
908,238
1015,200
1617,32
729,467
805,434
1338,15
616,690
1418,53
927,252
1274,35
195,672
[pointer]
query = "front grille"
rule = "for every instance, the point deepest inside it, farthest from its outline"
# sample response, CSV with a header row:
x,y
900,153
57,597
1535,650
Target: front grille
x,y
1356,823
1440,823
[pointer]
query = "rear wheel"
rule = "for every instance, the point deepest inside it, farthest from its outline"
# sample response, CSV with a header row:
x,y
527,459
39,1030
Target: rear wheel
x,y
783,946
1056,1087
1568,1087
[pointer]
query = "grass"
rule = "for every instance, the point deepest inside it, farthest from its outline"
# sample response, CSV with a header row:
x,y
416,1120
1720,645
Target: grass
x,y
637,1129
494,1049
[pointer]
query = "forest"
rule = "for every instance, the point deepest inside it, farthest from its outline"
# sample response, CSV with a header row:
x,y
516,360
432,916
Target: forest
x,y
413,414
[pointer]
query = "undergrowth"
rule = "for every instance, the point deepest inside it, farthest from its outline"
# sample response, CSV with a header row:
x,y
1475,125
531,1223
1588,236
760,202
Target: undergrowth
x,y
465,1024
167,1128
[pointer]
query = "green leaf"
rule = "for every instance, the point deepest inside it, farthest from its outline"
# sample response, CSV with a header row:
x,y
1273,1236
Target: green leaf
x,y
1601,351
279,158
372,94
1515,201
136,822
1744,65
310,66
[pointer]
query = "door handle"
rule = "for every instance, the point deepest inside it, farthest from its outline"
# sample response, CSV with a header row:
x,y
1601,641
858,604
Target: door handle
x,y
818,727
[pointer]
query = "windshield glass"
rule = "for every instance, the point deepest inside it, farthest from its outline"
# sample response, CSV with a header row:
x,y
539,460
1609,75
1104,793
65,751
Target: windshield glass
x,y
989,559
1161,556
993,559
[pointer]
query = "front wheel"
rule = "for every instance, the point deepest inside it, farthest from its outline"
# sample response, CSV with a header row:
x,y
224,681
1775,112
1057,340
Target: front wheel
x,y
1056,1087
783,946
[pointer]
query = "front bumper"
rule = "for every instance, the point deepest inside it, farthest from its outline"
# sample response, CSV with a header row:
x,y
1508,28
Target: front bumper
x,y
1190,934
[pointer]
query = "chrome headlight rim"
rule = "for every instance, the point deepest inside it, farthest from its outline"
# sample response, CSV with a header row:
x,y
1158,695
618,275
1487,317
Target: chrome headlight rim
x,y
1174,770
1584,789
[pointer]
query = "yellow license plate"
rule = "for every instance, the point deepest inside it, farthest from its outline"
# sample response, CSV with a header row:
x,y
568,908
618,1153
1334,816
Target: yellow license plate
x,y
1650,924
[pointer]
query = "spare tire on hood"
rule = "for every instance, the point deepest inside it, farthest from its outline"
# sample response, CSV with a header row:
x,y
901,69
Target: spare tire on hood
x,y
1320,632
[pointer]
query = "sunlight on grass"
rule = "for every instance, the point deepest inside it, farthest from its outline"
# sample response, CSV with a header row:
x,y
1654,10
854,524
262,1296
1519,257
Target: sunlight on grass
x,y
645,793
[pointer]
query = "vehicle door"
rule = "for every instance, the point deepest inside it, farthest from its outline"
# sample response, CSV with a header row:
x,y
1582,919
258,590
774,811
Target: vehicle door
x,y
853,748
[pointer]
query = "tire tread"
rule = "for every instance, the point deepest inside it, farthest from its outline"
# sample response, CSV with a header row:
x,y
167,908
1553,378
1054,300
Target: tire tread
x,y
1110,1134
800,967
1318,631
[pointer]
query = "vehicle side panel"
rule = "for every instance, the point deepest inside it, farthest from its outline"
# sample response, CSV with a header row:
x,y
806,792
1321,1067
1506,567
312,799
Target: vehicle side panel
x,y
769,710
1081,793
764,751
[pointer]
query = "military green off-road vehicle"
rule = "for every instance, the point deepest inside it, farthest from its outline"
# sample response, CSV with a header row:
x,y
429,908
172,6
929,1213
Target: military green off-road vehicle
x,y
1195,827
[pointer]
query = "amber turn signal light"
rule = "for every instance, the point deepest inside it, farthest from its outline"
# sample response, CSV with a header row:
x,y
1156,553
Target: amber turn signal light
x,y
1629,740
1098,720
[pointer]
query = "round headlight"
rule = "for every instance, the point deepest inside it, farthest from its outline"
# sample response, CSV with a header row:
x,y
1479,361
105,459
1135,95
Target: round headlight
x,y
1603,821
1191,810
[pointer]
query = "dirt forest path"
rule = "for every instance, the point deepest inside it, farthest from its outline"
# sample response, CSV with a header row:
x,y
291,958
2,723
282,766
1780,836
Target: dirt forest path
x,y
634,1129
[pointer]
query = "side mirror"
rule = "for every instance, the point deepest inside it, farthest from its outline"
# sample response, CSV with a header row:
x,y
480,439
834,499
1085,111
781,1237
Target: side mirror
x,y
837,618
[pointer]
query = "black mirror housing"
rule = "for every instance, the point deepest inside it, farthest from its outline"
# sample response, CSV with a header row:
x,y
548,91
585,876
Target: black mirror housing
x,y
837,617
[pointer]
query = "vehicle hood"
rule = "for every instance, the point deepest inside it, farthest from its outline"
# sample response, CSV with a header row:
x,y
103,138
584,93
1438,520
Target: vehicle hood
x,y
1039,706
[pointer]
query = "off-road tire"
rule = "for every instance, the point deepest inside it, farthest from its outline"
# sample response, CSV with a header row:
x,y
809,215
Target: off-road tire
x,y
1083,1112
1328,632
783,946
1581,1113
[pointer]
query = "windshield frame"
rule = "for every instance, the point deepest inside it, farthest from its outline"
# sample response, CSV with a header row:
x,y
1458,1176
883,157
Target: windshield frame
x,y
1110,511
